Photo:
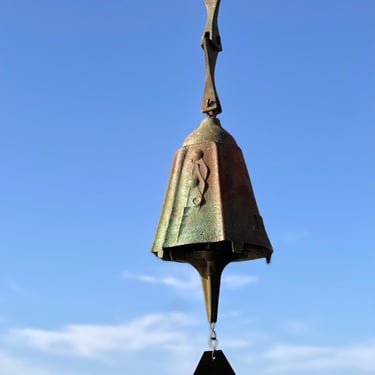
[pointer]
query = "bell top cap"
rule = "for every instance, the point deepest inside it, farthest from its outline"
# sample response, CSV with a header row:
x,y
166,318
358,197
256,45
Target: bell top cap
x,y
209,130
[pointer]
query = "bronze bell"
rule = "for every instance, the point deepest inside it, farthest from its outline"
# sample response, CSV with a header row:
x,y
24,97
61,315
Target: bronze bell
x,y
210,216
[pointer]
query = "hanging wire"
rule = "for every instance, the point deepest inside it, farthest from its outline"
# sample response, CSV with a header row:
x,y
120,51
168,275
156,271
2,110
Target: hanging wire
x,y
213,341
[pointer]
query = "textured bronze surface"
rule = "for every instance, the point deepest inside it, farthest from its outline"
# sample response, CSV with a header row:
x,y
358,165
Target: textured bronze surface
x,y
210,216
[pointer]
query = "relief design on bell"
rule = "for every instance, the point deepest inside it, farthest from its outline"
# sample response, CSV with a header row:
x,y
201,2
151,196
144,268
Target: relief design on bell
x,y
198,178
195,177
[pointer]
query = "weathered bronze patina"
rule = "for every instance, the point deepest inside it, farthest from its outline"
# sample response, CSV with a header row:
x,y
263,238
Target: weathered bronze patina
x,y
210,217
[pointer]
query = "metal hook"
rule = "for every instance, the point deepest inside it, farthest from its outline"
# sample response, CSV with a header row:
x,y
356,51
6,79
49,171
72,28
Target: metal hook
x,y
213,340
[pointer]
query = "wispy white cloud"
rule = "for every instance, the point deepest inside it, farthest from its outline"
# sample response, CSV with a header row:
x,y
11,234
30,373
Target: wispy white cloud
x,y
172,333
238,281
296,327
19,289
10,365
293,237
161,331
294,359
190,280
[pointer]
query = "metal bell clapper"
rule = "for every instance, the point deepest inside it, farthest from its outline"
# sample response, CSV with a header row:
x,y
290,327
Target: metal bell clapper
x,y
210,216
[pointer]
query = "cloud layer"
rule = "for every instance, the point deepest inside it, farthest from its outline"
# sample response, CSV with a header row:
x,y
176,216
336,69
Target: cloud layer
x,y
172,333
10,365
162,331
359,358
191,281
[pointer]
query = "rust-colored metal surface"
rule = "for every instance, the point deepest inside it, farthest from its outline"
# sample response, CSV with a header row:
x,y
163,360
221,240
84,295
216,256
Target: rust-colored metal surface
x,y
210,216
211,44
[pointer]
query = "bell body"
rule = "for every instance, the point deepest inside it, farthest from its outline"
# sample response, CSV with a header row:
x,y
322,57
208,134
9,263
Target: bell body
x,y
210,216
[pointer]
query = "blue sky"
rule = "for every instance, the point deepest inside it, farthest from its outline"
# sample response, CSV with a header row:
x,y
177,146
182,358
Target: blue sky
x,y
96,97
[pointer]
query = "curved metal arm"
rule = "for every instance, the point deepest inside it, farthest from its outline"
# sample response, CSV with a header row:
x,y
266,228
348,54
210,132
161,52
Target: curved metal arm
x,y
211,44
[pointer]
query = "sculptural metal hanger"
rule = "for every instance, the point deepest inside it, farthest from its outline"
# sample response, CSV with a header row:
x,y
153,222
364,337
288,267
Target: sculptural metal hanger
x,y
211,44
